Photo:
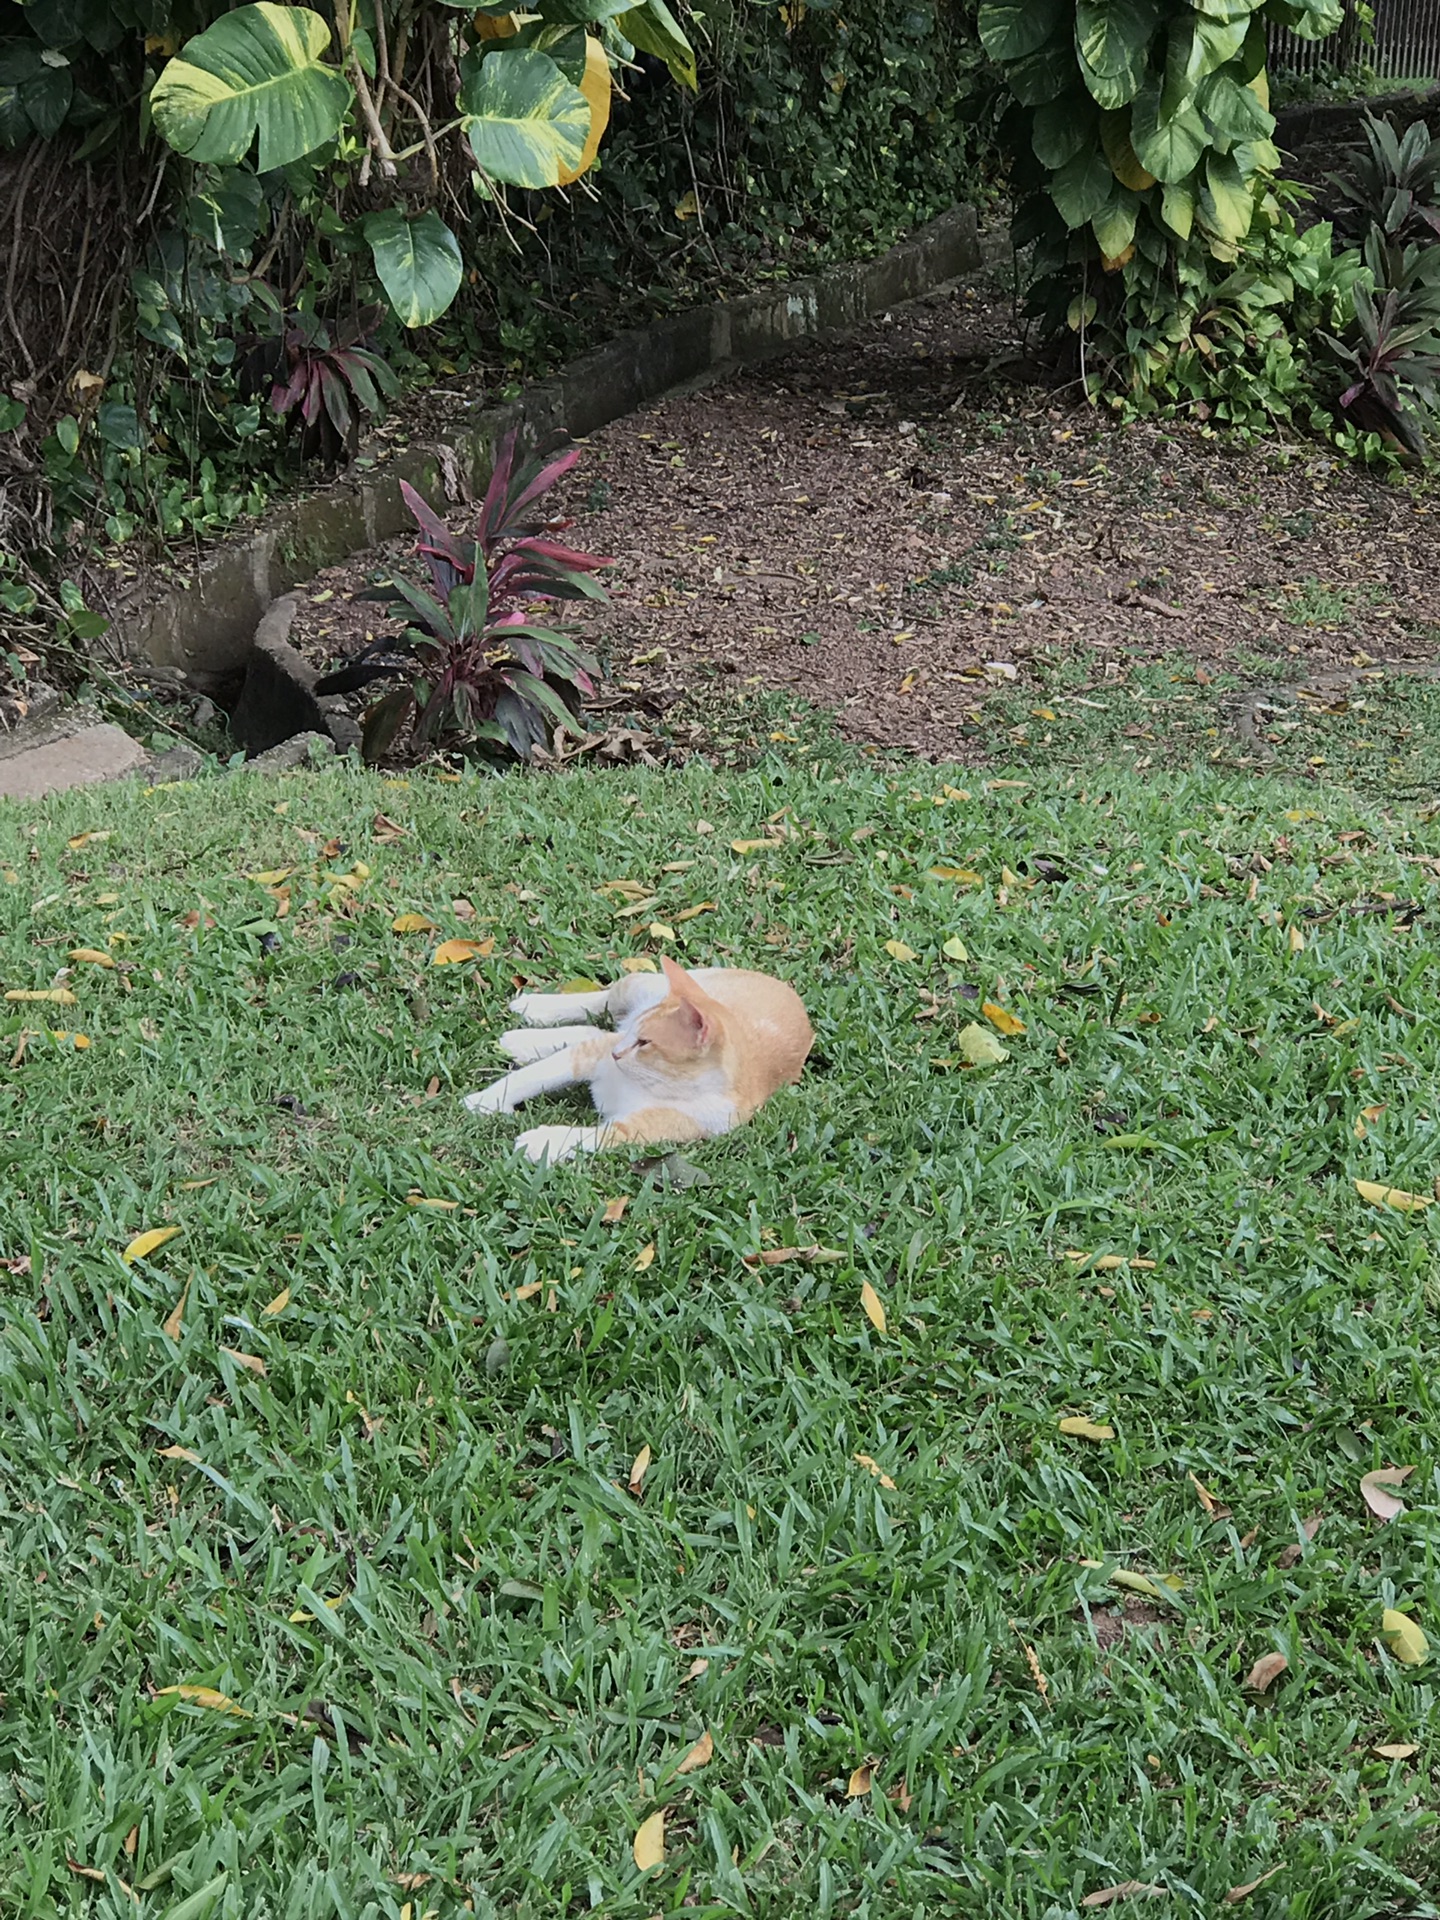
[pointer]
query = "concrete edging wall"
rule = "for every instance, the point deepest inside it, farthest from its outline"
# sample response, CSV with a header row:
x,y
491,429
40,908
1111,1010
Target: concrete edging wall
x,y
205,630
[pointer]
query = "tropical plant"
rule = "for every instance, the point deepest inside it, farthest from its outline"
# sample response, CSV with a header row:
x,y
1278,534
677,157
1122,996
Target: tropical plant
x,y
1395,188
1143,155
1396,374
327,385
532,100
489,677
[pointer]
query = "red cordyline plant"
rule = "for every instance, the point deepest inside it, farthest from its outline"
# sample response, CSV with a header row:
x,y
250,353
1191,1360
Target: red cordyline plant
x,y
325,384
487,675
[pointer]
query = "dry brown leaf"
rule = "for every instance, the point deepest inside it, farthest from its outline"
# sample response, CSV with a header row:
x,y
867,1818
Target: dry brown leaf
x,y
1124,1890
180,1453
615,1210
1207,1499
777,1256
1395,1750
873,1305
1297,940
873,1466
384,828
1380,1196
251,1362
694,1671
176,1318
95,834
528,1291
1288,1555
1265,1672
693,913
1372,1488
649,1847
207,1697
1084,1429
639,1467
646,1257
92,956
859,1783
279,1303
1001,1018
1236,1894
453,953
86,1873
144,1244
700,1755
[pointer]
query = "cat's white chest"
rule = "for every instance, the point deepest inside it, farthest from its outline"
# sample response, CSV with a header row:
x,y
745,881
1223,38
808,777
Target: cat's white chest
x,y
621,1089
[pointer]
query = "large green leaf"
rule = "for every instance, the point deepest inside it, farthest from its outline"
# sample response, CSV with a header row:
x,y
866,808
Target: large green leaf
x,y
418,262
654,29
1198,46
1044,75
1062,128
1227,9
1082,186
1233,109
525,123
1227,205
1177,207
256,71
1169,145
1113,36
1309,19
1114,224
1009,29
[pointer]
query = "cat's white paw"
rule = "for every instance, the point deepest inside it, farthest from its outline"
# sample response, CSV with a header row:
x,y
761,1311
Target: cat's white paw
x,y
522,1003
554,1143
494,1099
529,1043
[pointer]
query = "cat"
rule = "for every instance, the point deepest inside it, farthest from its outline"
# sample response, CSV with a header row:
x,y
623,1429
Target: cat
x,y
693,1055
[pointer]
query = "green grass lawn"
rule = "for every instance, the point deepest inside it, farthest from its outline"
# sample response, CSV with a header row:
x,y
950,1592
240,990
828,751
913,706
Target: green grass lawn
x,y
370,1483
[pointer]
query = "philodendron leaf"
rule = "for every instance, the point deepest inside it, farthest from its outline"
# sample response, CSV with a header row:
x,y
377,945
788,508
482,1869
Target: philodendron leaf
x,y
256,73
418,262
525,123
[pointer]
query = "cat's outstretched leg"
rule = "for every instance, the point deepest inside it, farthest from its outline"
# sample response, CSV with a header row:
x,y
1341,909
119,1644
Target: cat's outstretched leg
x,y
559,1009
651,1126
526,1044
556,1070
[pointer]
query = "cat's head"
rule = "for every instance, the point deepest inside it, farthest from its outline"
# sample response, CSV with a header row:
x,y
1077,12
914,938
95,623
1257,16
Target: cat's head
x,y
681,1037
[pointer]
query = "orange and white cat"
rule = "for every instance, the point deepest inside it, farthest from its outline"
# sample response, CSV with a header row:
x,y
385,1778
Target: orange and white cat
x,y
692,1056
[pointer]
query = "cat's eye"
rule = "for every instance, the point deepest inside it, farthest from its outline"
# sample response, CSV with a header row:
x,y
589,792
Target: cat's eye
x,y
641,1041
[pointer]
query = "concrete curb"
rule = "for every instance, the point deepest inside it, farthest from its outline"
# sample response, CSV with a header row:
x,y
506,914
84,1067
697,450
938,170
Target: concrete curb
x,y
1335,119
205,630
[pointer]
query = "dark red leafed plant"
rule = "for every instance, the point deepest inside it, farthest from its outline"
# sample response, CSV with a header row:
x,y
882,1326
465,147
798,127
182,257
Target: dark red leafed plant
x,y
487,674
327,384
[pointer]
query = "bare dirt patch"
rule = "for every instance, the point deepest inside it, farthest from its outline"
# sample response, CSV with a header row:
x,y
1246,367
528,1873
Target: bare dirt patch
x,y
889,524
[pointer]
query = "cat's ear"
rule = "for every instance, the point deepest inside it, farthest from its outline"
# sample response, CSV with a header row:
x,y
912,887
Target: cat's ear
x,y
679,980
691,1007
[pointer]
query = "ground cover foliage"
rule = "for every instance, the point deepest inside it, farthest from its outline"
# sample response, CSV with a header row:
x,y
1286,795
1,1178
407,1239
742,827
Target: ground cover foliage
x,y
401,1527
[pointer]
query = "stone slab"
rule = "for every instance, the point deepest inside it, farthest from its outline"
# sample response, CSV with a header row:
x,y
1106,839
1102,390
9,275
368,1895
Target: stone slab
x,y
83,759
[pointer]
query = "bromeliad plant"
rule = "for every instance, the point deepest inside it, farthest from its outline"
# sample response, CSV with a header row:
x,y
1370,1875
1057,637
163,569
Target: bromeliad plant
x,y
488,676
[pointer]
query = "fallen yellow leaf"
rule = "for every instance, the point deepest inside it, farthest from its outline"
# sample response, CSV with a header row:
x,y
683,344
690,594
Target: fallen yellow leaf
x,y
84,839
180,1453
754,846
1122,1890
92,956
412,923
56,996
1001,1018
873,1467
979,1048
1297,940
207,1697
649,1847
700,1755
176,1318
639,1467
859,1784
639,963
279,1303
659,931
1084,1429
777,1256
272,876
1407,1640
874,1306
1379,1196
962,876
955,949
1237,1894
899,951
145,1244
251,1362
645,1258
424,1200
1395,1750
451,953
691,913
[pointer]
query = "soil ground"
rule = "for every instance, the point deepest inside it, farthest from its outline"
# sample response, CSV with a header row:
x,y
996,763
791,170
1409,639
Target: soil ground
x,y
896,526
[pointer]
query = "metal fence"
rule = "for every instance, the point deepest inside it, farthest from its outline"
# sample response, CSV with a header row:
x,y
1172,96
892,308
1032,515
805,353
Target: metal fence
x,y
1406,44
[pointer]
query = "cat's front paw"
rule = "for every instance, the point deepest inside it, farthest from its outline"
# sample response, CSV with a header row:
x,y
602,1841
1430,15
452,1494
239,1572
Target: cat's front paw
x,y
554,1143
494,1099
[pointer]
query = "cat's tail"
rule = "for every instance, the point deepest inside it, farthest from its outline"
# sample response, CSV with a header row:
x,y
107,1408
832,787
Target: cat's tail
x,y
558,1009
